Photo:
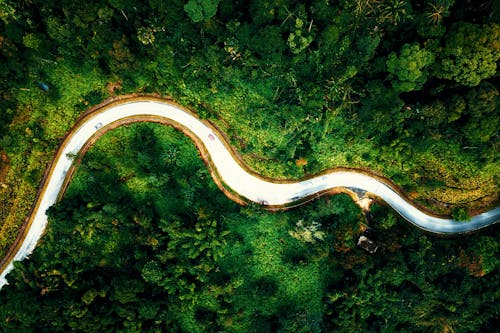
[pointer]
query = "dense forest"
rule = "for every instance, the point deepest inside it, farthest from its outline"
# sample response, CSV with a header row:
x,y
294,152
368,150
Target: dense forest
x,y
144,241
408,89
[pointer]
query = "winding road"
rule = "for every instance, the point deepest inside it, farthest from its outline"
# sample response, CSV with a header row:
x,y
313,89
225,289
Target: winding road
x,y
231,175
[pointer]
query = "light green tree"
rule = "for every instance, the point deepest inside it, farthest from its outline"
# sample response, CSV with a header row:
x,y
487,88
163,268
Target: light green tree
x,y
32,41
201,10
409,69
7,12
300,39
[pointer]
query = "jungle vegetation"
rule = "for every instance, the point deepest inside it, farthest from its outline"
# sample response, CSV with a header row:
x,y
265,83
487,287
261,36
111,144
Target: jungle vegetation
x,y
408,89
144,241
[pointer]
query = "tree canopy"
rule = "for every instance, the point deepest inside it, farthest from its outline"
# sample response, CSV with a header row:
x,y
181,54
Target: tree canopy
x,y
408,89
144,241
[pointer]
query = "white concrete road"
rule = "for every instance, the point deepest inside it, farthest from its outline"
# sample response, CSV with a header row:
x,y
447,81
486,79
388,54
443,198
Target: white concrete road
x,y
249,186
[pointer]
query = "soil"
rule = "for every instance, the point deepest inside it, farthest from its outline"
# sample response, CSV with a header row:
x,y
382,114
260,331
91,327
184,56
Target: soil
x,y
4,166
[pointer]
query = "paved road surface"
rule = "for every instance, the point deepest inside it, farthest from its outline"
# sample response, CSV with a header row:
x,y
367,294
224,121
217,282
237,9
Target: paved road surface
x,y
247,185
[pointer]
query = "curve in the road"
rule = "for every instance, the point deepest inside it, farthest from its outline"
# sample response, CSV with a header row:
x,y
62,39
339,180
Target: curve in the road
x,y
231,175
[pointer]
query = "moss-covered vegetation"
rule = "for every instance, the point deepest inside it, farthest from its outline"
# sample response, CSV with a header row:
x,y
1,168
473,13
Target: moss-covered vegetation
x,y
145,242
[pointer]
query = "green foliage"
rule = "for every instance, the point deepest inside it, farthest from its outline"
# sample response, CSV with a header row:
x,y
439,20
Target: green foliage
x,y
307,233
298,87
383,109
281,78
7,11
269,41
32,41
201,10
299,39
437,10
146,35
409,67
394,11
91,295
117,257
470,53
473,114
483,104
460,214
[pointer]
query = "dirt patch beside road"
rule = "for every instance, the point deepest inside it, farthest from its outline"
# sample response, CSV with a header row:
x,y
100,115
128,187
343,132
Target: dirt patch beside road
x,y
4,166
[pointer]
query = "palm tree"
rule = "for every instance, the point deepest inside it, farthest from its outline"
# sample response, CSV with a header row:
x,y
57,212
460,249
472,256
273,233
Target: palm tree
x,y
394,11
436,12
